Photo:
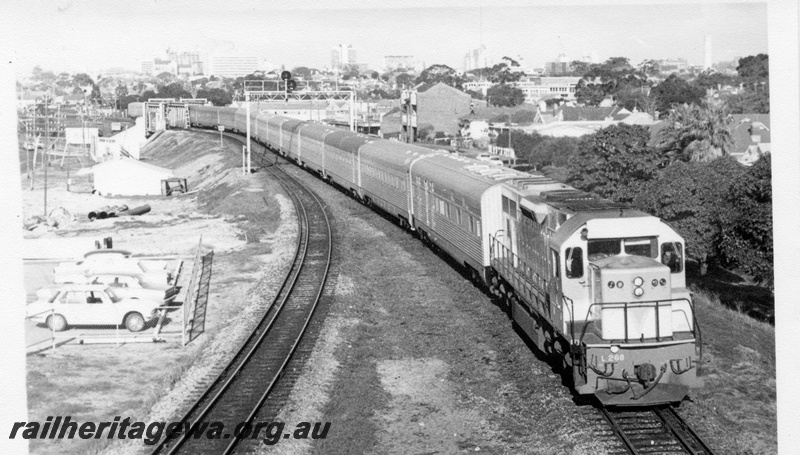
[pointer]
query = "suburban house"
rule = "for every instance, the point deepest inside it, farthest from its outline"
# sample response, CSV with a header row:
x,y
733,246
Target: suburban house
x,y
442,105
751,137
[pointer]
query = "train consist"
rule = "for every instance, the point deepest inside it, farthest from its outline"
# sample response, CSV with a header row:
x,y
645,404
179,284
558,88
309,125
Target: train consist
x,y
598,286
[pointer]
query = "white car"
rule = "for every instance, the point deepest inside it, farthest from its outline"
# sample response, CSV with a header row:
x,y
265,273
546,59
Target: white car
x,y
110,261
489,158
90,304
132,286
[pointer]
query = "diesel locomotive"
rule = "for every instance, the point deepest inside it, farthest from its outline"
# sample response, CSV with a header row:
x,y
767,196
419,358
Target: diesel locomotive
x,y
596,285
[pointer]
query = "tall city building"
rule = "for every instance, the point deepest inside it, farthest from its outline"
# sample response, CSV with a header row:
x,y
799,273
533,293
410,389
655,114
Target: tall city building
x,y
342,56
231,65
398,62
559,66
475,59
707,60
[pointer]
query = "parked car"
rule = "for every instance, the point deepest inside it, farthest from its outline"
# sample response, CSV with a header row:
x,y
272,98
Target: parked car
x,y
112,261
132,286
91,304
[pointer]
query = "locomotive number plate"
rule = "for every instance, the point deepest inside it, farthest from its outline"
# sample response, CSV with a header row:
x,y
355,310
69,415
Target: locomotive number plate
x,y
612,358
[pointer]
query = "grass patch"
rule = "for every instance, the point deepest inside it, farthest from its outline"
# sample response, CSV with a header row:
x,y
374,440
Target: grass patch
x,y
737,406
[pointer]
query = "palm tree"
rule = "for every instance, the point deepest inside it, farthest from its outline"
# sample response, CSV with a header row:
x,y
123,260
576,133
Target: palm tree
x,y
696,133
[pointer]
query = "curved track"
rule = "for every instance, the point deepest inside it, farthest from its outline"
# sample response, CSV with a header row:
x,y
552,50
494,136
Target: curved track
x,y
658,430
251,376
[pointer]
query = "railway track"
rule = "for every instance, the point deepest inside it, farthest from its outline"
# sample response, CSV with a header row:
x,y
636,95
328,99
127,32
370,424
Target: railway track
x,y
253,374
657,430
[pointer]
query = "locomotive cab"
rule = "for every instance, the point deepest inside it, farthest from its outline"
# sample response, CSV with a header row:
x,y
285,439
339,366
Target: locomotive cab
x,y
633,332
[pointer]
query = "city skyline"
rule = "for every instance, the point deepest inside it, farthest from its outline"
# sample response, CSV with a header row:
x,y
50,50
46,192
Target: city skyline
x,y
92,35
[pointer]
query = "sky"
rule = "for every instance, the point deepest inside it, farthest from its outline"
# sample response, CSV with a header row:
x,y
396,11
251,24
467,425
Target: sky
x,y
89,35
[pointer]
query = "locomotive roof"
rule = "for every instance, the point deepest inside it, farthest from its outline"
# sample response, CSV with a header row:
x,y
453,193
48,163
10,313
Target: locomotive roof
x,y
579,219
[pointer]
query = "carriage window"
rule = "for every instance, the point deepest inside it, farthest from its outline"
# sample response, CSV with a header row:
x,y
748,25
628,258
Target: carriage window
x,y
642,246
672,256
599,249
574,262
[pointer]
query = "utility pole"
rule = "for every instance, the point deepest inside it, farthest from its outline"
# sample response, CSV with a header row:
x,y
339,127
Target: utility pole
x,y
46,160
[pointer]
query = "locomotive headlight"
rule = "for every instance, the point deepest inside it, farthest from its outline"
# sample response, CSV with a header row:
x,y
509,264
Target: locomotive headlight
x,y
611,285
638,292
614,349
663,281
638,281
654,282
620,284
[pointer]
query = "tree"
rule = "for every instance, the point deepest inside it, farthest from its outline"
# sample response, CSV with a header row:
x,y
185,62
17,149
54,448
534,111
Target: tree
x,y
502,74
711,79
174,90
696,133
675,90
439,73
579,68
126,100
689,196
607,79
749,103
404,80
746,233
302,72
649,68
217,96
350,72
82,79
166,77
148,94
754,69
475,95
615,162
505,95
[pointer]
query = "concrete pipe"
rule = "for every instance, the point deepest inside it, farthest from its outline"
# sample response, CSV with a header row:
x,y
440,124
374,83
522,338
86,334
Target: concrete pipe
x,y
141,210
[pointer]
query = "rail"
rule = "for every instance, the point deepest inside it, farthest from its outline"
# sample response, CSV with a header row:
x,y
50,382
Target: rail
x,y
258,365
652,430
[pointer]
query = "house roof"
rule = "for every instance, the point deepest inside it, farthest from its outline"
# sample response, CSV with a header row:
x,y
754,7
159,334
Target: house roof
x,y
441,86
744,126
596,113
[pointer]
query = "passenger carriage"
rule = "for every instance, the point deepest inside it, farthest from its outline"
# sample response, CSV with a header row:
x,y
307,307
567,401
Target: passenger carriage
x,y
385,178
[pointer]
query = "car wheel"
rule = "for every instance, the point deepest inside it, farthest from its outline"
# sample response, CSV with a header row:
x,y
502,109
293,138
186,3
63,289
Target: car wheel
x,y
56,323
134,322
